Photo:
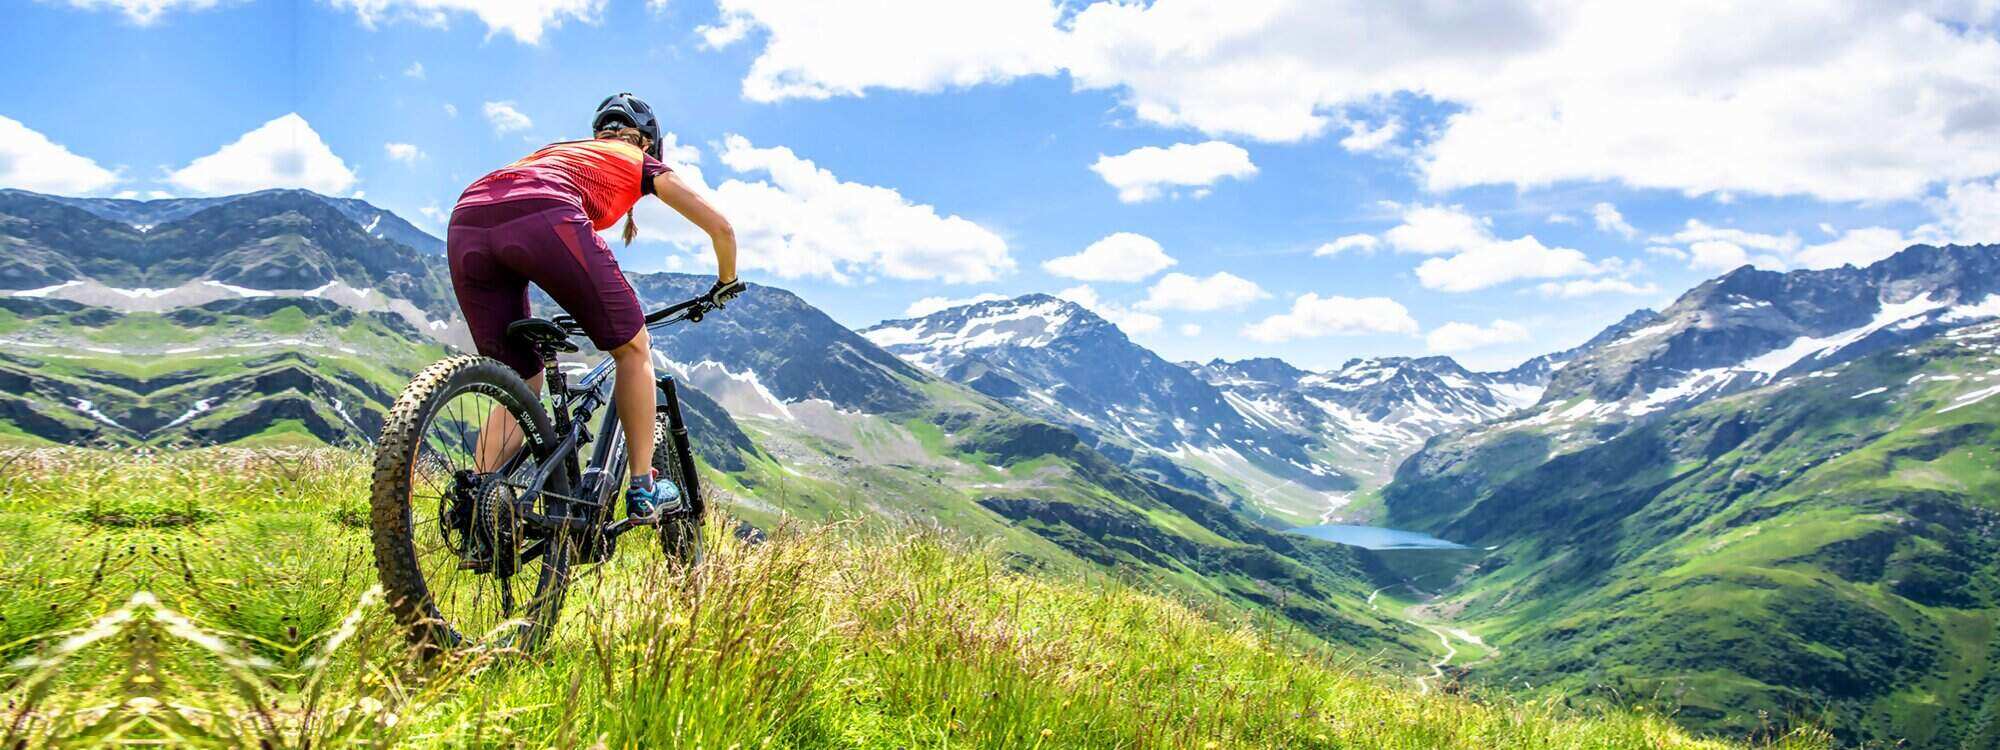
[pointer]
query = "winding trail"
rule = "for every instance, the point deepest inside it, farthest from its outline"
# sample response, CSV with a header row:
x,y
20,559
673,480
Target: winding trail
x,y
1437,667
1444,636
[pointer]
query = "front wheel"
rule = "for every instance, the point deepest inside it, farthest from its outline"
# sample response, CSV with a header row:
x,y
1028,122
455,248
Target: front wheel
x,y
457,562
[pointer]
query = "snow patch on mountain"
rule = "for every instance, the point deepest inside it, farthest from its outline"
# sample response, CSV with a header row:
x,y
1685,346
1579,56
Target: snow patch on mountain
x,y
240,291
90,409
1778,360
47,290
934,342
742,393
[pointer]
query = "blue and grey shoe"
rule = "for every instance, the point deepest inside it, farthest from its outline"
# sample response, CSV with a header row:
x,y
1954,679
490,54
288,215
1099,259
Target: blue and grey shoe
x,y
648,500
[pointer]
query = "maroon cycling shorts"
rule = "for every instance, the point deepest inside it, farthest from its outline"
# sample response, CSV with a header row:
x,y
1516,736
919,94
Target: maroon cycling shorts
x,y
497,249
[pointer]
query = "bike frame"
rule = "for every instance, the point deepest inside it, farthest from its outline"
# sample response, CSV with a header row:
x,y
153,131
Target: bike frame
x,y
595,482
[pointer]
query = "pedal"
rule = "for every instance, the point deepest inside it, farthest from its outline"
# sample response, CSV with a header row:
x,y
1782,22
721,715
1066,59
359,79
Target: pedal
x,y
617,527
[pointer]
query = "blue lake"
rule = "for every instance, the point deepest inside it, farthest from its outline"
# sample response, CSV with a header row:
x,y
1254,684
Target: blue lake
x,y
1376,537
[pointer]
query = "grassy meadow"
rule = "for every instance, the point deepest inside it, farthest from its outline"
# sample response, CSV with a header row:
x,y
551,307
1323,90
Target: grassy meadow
x,y
225,598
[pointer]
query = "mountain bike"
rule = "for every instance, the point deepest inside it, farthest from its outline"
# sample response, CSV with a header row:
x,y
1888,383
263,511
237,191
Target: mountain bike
x,y
486,557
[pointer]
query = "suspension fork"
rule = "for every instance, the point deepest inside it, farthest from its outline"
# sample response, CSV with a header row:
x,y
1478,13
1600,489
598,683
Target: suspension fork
x,y
670,403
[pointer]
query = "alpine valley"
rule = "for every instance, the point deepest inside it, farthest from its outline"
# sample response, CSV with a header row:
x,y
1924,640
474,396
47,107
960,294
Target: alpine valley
x,y
1777,501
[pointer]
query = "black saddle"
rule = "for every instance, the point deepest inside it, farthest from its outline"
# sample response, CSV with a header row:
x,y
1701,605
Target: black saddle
x,y
541,334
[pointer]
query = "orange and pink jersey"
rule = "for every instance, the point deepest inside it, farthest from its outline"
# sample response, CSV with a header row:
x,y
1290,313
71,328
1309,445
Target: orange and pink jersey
x,y
603,177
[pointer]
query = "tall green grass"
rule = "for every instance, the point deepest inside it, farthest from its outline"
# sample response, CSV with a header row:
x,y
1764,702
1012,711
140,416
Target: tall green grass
x,y
259,626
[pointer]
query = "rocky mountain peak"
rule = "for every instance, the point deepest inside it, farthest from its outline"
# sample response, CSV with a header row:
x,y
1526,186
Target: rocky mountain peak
x,y
1753,327
1257,369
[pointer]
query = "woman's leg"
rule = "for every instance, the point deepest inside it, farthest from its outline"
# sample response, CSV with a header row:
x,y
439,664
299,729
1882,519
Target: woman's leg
x,y
502,436
634,394
492,296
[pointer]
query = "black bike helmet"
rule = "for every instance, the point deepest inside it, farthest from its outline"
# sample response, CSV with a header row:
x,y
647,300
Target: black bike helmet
x,y
629,110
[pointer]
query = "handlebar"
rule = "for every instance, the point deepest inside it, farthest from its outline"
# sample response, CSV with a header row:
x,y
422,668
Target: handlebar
x,y
690,311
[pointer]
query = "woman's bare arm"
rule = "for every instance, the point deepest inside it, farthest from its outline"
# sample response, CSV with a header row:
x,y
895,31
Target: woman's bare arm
x,y
669,187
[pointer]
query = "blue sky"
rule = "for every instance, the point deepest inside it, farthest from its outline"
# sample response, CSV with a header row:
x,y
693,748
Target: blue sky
x,y
1507,181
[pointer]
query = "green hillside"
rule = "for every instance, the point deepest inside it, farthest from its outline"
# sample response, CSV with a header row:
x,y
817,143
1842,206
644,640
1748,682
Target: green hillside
x,y
285,370
260,631
1822,548
300,371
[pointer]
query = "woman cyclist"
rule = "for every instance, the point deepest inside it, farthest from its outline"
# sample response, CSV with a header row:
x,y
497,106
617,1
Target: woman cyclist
x,y
536,220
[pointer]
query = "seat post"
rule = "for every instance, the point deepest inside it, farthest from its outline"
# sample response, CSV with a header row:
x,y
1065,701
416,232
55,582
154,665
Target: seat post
x,y
552,372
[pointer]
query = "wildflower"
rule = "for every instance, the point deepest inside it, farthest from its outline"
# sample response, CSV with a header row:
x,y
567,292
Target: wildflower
x,y
1047,733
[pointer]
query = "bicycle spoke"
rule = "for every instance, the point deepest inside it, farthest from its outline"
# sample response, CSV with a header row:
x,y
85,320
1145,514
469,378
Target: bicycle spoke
x,y
507,599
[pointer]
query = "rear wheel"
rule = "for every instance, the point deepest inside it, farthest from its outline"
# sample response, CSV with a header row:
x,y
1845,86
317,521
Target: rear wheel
x,y
456,560
680,534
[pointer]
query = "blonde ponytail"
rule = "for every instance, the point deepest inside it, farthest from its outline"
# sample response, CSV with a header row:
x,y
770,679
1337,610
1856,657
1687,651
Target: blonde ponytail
x,y
638,139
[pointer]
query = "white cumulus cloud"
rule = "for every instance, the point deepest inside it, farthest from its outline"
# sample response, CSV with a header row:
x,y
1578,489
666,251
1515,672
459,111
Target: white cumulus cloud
x,y
1608,219
1459,337
1500,262
1221,290
1146,173
796,219
1708,248
817,49
1969,212
1474,258
143,12
1778,98
525,20
1132,322
505,118
407,153
675,153
30,161
1724,255
1436,230
1859,247
1360,243
1591,287
283,153
1121,256
1313,316
1696,230
1361,138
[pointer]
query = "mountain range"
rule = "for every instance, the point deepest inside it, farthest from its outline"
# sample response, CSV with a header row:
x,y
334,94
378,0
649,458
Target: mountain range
x,y
795,416
1780,497
1772,501
1285,443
